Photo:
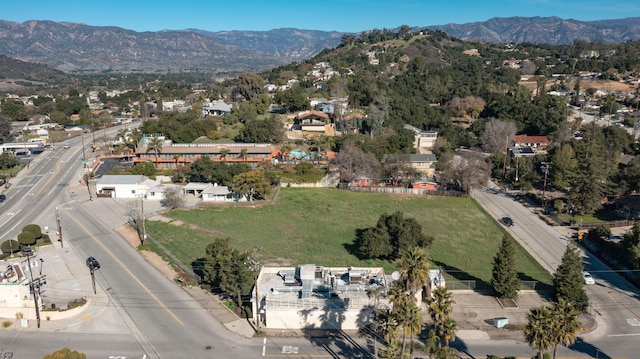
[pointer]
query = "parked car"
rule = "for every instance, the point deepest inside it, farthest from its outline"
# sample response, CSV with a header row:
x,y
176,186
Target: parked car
x,y
2,198
588,279
93,263
507,221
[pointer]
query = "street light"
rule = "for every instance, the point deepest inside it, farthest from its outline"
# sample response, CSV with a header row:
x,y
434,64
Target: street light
x,y
41,262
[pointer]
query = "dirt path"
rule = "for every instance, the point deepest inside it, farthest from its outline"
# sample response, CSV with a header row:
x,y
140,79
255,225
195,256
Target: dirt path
x,y
131,236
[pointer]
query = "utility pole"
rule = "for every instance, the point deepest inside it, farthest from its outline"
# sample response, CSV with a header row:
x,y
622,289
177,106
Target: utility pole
x,y
506,153
144,231
33,290
545,168
84,155
59,228
256,270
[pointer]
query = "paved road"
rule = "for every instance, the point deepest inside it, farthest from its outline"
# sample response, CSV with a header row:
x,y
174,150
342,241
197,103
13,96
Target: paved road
x,y
143,311
614,302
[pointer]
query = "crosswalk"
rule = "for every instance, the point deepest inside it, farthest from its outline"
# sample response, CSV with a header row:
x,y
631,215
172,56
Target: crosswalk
x,y
633,322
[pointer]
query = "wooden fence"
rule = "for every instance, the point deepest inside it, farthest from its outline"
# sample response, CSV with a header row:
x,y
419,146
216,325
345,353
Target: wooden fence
x,y
410,191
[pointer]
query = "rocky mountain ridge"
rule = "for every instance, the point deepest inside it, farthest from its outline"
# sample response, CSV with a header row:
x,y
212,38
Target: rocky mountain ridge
x,y
79,48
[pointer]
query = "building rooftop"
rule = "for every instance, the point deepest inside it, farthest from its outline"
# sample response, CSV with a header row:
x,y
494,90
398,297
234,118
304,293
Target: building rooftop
x,y
309,286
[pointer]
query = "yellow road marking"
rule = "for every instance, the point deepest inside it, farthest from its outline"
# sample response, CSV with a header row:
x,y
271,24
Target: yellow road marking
x,y
45,186
126,269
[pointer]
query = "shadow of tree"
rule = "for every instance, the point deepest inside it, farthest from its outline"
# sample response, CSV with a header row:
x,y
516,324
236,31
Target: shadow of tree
x,y
354,247
588,348
473,283
328,333
540,287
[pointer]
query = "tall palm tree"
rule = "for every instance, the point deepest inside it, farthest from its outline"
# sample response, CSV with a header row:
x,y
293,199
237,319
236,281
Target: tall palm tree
x,y
565,324
244,154
285,150
135,137
537,330
176,157
447,330
440,305
122,135
155,143
224,153
415,269
375,294
411,321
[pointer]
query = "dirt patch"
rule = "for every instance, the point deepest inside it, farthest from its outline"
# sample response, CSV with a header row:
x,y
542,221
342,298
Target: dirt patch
x,y
131,236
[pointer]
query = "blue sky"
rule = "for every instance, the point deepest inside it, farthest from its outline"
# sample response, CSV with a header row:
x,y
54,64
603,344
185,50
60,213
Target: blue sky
x,y
328,15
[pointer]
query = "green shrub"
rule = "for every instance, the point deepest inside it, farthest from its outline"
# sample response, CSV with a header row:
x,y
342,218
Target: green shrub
x,y
27,238
10,246
45,238
6,323
33,228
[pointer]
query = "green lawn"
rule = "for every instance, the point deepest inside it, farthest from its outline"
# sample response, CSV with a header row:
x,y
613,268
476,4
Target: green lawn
x,y
319,226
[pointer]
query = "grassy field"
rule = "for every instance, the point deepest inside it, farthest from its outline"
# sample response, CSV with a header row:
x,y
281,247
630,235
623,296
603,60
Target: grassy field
x,y
319,226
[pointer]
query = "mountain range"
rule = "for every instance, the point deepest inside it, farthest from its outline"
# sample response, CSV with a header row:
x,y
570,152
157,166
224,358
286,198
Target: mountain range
x,y
80,48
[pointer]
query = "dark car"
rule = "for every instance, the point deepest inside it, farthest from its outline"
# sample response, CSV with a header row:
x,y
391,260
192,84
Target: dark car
x,y
93,263
507,221
2,198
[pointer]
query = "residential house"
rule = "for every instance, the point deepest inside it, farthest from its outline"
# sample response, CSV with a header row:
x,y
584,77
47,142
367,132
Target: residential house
x,y
215,193
425,185
216,108
537,143
424,141
312,121
131,186
364,181
628,207
422,163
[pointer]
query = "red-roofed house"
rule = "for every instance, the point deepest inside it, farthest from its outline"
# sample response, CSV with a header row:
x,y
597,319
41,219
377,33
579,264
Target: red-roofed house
x,y
537,143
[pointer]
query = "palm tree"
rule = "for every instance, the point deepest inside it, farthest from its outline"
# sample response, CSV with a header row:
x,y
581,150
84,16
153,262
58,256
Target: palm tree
x,y
376,294
135,137
565,324
537,330
224,153
176,157
440,305
155,143
244,154
411,321
285,150
415,269
122,135
447,330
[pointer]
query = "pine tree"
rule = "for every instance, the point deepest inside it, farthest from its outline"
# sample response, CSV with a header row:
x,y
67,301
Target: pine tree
x,y
568,280
505,282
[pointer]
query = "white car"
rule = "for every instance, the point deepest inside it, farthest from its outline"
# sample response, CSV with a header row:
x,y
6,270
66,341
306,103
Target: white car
x,y
588,279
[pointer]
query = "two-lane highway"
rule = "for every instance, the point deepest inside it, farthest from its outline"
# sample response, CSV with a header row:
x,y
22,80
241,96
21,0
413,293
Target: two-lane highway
x,y
613,301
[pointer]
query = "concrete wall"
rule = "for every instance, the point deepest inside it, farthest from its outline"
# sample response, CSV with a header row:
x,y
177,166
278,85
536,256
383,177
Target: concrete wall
x,y
314,318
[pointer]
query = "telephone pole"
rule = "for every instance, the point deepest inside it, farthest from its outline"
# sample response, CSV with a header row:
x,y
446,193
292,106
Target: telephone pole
x,y
33,290
59,228
144,230
545,168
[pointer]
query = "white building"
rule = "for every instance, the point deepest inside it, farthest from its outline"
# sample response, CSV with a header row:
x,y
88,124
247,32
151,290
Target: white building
x,y
131,186
310,296
16,300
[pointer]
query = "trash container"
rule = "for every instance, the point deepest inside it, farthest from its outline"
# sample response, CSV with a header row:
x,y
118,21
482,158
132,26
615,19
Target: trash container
x,y
500,322
53,305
